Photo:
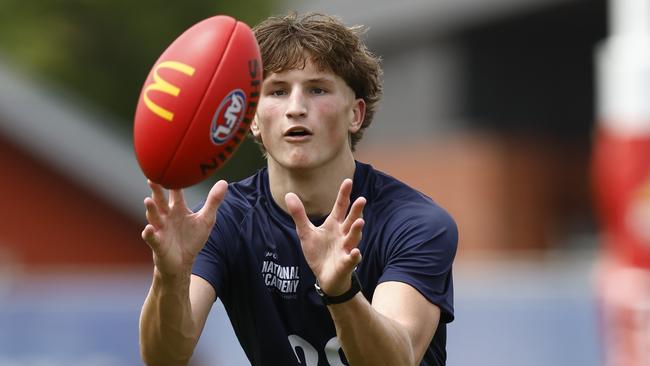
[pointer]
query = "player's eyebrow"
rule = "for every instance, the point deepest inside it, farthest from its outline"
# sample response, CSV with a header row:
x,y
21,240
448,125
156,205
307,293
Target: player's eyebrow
x,y
323,79
326,82
276,82
273,82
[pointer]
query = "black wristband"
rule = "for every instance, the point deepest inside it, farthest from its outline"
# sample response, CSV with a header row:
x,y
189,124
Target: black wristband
x,y
331,300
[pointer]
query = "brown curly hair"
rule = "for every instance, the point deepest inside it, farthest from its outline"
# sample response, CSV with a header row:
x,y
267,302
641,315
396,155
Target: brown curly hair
x,y
287,41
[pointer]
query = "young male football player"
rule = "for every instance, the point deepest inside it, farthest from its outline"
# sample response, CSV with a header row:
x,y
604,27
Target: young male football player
x,y
317,258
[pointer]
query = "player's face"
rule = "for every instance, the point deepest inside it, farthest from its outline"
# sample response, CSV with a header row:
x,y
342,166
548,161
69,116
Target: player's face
x,y
305,117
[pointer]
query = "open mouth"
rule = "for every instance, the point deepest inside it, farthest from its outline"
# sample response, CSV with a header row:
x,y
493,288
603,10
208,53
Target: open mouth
x,y
297,131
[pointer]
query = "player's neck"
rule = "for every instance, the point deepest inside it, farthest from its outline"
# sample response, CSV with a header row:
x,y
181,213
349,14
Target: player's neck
x,y
317,187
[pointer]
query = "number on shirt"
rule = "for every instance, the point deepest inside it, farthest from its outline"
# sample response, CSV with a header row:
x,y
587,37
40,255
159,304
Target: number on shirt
x,y
332,351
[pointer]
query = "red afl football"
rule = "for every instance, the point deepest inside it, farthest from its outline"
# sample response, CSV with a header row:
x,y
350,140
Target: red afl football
x,y
197,103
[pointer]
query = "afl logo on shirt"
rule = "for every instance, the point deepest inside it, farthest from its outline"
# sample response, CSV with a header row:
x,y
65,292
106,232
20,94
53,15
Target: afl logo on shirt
x,y
228,116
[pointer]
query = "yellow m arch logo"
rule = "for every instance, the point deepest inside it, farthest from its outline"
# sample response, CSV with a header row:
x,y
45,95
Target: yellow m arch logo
x,y
164,86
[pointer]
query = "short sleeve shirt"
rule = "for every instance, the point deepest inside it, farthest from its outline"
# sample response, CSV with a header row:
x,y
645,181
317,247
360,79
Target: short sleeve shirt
x,y
254,261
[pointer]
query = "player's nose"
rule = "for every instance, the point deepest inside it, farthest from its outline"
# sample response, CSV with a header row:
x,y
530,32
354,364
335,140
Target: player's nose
x,y
297,105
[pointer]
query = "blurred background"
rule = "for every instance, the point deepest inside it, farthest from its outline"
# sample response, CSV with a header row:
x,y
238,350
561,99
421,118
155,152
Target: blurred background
x,y
492,107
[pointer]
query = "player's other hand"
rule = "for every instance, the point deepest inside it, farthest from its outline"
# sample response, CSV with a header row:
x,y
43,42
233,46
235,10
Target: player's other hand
x,y
175,233
331,249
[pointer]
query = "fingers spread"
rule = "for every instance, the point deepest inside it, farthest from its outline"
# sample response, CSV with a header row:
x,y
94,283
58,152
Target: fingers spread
x,y
214,199
153,213
297,212
158,195
354,236
342,201
356,212
176,199
352,260
149,236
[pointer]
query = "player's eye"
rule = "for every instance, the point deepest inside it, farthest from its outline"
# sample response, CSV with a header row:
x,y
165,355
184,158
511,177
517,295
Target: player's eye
x,y
317,91
278,92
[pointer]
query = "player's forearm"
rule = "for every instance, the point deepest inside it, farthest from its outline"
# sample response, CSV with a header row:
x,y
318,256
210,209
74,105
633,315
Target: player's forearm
x,y
168,332
368,337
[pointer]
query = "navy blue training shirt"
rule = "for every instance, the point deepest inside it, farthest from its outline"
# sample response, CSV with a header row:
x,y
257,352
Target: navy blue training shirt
x,y
254,261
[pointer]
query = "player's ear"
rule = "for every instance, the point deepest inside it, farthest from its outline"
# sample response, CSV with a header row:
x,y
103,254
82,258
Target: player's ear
x,y
255,128
358,114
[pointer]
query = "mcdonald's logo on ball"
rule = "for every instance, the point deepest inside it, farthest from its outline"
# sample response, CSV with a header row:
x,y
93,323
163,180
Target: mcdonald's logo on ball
x,y
161,85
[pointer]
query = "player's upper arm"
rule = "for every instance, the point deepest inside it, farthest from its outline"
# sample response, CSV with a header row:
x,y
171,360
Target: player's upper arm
x,y
405,305
202,296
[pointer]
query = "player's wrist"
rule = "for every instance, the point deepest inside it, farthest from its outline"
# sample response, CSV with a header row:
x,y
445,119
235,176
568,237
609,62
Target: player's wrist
x,y
334,287
178,277
339,296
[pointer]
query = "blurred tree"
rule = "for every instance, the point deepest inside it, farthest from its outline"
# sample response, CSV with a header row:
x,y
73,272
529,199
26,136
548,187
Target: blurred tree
x,y
103,50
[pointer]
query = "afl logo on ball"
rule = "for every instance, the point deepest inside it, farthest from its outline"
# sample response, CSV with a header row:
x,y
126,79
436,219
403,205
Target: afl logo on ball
x,y
228,116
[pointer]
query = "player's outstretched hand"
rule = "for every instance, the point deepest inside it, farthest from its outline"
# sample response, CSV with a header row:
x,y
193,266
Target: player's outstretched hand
x,y
331,249
175,233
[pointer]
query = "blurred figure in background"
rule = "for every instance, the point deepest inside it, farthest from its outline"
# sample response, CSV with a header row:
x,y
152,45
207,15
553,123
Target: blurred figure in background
x,y
622,179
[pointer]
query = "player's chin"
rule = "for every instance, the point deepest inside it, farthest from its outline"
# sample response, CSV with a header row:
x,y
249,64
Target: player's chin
x,y
298,159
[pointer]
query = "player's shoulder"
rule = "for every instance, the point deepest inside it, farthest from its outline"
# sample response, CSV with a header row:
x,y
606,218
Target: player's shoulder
x,y
399,205
388,192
